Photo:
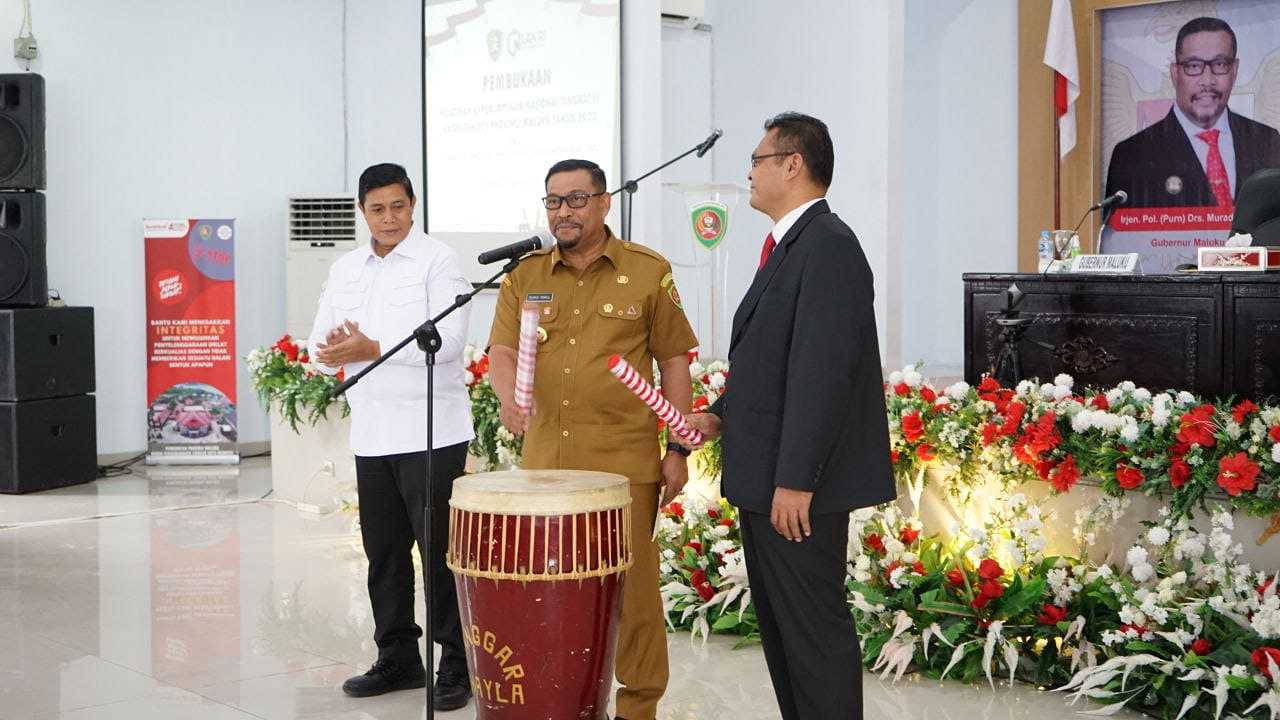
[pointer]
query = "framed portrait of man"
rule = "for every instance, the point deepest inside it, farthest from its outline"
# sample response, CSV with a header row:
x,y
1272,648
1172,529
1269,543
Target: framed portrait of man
x,y
1189,106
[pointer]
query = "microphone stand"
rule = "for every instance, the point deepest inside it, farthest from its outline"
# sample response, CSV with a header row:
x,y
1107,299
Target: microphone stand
x,y
1107,210
429,341
631,186
1059,250
1106,216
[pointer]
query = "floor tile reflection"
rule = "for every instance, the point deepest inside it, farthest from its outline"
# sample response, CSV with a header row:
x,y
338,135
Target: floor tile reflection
x,y
247,608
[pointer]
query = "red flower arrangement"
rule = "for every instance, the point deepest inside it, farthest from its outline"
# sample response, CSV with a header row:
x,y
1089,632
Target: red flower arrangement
x,y
1128,477
699,582
287,346
1179,471
1052,615
1066,475
912,427
1260,659
1237,473
1197,426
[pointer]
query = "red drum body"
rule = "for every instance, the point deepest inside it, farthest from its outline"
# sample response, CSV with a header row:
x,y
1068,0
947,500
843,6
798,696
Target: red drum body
x,y
539,558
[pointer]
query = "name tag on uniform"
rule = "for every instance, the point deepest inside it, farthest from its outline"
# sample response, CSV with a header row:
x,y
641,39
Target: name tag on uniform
x,y
538,297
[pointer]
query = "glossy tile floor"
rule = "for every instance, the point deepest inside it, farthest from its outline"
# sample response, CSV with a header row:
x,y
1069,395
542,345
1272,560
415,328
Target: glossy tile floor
x,y
186,594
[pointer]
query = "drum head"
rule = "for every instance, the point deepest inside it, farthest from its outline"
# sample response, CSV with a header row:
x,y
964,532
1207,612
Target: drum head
x,y
540,492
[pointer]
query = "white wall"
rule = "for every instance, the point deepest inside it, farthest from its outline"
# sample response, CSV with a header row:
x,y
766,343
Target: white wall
x,y
960,150
191,108
687,119
921,101
840,62
383,49
642,123
384,92
179,108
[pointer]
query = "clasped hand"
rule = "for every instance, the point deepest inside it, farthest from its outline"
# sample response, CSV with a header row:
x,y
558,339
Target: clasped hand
x,y
346,344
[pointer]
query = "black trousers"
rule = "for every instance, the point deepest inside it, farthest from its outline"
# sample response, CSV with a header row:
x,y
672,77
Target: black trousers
x,y
810,642
391,489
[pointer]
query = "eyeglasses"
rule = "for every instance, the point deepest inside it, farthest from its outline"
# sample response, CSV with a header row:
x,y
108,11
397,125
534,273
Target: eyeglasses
x,y
1195,66
577,200
755,159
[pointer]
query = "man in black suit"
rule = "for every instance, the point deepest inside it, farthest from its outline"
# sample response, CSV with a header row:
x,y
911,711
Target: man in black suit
x,y
1201,152
805,438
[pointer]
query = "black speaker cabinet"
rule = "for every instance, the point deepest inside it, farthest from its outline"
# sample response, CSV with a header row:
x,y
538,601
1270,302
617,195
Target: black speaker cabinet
x,y
21,131
46,352
47,444
24,276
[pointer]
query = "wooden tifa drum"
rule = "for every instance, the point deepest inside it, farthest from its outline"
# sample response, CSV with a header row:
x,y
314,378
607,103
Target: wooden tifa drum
x,y
539,558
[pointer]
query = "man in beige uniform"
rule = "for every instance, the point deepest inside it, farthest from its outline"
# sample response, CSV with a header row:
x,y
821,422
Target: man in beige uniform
x,y
598,296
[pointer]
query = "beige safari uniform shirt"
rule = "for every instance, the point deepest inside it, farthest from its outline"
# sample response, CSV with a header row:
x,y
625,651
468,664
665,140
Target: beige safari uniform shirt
x,y
625,303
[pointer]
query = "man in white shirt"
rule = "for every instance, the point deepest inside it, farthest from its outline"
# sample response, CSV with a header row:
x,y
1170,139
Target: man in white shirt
x,y
376,296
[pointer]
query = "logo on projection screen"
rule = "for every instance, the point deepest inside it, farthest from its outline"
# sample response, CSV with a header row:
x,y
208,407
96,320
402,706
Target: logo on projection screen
x,y
515,41
494,40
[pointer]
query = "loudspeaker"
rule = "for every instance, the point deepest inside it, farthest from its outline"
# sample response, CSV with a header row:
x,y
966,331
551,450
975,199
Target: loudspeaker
x,y
23,272
46,352
48,443
21,131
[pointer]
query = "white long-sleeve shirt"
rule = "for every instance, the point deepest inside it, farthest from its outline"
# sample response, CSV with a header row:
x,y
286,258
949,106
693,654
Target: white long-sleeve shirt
x,y
389,297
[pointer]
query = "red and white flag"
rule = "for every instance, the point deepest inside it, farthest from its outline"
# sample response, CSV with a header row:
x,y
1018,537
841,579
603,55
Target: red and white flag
x,y
1060,54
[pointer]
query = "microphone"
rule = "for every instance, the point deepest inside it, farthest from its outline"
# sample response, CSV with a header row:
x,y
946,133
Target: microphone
x,y
517,249
711,140
1119,197
1108,203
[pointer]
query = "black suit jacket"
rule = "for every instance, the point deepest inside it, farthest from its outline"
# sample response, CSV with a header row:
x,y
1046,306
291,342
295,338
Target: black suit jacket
x,y
804,404
1143,164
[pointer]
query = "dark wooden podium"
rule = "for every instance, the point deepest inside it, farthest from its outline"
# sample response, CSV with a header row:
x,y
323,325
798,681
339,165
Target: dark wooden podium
x,y
1213,334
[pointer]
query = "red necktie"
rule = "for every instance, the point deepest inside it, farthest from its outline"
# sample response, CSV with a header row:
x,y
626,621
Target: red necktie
x,y
767,250
1216,170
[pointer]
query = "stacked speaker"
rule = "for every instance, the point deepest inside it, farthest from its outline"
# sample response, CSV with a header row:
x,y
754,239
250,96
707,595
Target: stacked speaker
x,y
48,429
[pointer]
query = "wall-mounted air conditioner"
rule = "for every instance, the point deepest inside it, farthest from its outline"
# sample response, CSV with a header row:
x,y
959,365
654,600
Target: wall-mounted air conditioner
x,y
321,229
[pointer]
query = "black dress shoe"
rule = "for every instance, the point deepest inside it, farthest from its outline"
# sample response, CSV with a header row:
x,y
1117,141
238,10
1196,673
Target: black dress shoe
x,y
452,691
386,676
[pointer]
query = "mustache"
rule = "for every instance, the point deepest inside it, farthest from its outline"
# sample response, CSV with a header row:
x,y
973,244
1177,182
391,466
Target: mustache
x,y
1214,94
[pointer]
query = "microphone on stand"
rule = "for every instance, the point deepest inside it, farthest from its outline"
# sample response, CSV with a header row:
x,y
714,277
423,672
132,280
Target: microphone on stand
x,y
709,142
517,249
631,186
1108,204
1119,197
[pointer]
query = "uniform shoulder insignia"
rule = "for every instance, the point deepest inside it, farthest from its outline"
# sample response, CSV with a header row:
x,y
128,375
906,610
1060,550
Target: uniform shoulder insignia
x,y
544,251
641,249
669,284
